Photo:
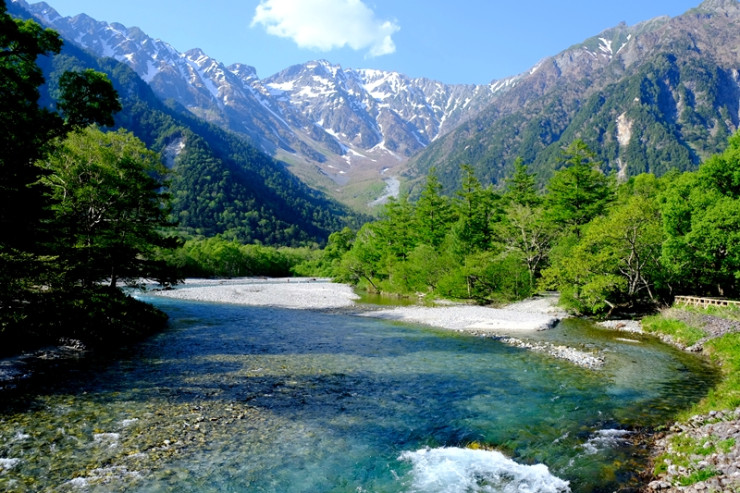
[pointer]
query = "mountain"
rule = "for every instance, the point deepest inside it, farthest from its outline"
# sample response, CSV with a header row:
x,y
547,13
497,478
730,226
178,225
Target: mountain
x,y
220,183
660,95
663,94
333,126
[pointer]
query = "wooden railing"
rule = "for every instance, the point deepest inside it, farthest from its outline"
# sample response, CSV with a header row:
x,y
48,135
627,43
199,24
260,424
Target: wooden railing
x,y
704,302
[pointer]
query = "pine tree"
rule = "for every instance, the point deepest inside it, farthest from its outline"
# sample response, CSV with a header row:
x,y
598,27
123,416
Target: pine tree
x,y
520,188
476,210
578,192
432,213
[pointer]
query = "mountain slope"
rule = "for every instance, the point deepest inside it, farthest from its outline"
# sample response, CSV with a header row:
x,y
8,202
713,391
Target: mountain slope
x,y
334,126
219,183
656,96
659,95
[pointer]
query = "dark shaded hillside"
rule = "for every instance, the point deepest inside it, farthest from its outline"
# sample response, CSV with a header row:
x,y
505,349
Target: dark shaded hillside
x,y
653,97
220,183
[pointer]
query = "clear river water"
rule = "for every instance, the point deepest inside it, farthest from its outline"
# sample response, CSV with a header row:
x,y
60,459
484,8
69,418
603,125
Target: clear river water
x,y
249,399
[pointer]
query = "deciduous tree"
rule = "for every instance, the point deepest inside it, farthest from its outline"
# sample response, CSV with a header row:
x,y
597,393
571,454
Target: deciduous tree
x,y
702,222
87,97
109,207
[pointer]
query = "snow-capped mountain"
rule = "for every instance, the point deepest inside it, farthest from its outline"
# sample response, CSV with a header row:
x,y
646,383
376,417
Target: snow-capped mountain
x,y
657,95
338,121
367,109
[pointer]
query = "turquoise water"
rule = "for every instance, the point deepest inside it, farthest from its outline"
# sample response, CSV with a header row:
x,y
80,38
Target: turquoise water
x,y
246,399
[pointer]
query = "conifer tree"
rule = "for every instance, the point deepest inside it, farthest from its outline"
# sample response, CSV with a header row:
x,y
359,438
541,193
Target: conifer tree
x,y
520,188
476,209
432,212
579,191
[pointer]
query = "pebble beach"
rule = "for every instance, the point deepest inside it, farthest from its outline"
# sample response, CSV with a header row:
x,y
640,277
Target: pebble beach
x,y
508,324
322,294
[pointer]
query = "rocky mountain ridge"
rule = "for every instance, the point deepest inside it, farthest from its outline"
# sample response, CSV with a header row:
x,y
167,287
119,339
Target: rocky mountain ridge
x,y
659,95
320,118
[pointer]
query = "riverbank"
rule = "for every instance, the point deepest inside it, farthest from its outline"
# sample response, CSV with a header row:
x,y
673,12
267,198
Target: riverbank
x,y
289,292
322,294
701,451
507,324
60,329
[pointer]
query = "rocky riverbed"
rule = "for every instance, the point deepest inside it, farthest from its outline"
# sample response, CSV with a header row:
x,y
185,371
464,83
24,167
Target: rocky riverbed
x,y
714,441
533,314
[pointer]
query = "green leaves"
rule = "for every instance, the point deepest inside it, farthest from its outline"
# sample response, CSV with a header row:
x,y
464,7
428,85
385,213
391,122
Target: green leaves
x,y
579,192
603,247
87,97
432,213
109,206
616,260
702,223
25,129
88,216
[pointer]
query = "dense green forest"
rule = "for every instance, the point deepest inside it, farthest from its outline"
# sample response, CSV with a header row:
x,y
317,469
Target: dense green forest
x,y
604,246
81,210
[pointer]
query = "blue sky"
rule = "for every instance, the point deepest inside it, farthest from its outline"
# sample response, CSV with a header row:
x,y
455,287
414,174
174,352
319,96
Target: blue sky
x,y
462,41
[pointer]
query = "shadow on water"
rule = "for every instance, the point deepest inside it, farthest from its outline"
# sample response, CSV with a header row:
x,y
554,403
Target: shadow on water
x,y
347,391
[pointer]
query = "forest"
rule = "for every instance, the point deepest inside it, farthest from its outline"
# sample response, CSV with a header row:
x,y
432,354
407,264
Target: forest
x,y
607,247
81,210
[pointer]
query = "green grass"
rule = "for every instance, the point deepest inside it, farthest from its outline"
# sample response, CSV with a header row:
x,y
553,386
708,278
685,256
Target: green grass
x,y
697,477
680,331
725,353
725,446
683,448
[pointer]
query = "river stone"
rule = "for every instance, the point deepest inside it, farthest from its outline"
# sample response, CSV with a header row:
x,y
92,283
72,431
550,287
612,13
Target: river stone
x,y
659,485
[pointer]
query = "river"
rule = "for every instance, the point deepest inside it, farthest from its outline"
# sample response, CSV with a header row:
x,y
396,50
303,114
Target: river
x,y
254,399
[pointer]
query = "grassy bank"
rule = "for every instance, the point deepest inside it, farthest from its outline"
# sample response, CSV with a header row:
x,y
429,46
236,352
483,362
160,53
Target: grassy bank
x,y
689,326
702,442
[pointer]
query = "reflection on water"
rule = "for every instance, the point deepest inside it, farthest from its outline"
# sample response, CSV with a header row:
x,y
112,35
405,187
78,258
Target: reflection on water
x,y
257,399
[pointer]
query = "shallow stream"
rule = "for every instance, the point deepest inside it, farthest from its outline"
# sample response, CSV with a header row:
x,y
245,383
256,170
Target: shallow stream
x,y
247,399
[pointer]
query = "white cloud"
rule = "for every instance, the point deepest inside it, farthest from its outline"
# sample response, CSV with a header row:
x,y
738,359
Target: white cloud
x,y
327,24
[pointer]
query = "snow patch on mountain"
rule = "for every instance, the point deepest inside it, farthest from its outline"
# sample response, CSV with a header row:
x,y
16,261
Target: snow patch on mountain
x,y
606,46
